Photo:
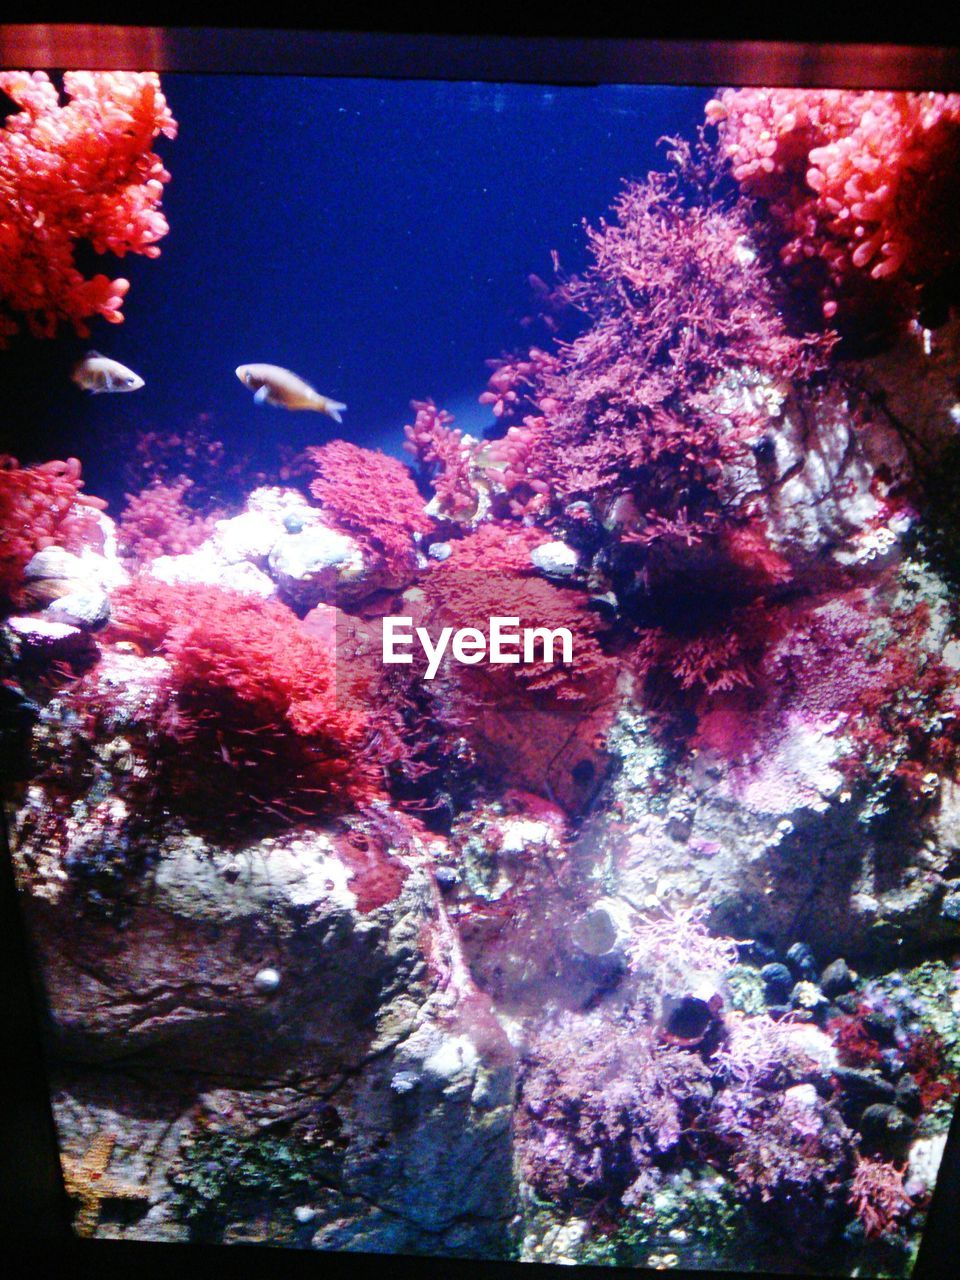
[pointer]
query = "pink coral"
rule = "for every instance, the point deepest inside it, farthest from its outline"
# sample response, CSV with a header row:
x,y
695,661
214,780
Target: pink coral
x,y
79,172
40,506
877,1194
862,186
510,465
372,496
440,449
627,413
157,522
544,721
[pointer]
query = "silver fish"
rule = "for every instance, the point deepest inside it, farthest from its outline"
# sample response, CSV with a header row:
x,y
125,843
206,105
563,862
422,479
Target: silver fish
x,y
272,384
99,373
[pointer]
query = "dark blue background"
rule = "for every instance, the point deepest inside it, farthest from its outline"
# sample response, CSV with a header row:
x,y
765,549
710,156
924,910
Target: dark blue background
x,y
374,236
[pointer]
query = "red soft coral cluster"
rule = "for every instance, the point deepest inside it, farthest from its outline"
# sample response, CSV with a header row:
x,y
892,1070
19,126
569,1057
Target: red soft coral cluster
x,y
863,186
372,496
626,414
79,171
40,506
257,726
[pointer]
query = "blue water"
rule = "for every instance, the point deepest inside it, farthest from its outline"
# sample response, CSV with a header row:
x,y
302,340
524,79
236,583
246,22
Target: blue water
x,y
374,236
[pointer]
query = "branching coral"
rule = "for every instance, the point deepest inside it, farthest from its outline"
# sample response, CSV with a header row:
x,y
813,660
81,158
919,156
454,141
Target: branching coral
x,y
446,457
790,1154
40,506
590,1124
372,496
72,173
676,298
863,186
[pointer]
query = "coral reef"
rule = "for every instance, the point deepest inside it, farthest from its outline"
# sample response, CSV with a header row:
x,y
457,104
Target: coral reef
x,y
77,172
643,952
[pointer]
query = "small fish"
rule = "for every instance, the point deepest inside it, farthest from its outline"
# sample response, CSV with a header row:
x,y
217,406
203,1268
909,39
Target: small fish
x,y
274,385
98,373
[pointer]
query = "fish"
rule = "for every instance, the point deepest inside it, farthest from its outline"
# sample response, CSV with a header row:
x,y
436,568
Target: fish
x,y
272,384
97,373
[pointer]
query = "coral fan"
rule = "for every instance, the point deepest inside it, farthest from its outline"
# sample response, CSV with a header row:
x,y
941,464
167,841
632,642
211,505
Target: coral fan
x,y
79,172
372,496
862,186
39,506
257,725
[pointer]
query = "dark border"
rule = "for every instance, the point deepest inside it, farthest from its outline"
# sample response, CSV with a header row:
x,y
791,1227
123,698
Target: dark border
x,y
815,44
516,57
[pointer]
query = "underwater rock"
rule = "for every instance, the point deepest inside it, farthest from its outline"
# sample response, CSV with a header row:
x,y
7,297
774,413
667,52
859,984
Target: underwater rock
x,y
778,981
886,1130
204,566
861,1089
802,962
823,487
837,979
45,640
366,992
89,610
317,564
555,559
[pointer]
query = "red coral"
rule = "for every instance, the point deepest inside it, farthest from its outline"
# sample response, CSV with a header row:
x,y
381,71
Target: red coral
x,y
40,506
373,496
259,726
510,465
543,721
878,1196
79,172
440,449
862,186
370,846
902,719
927,1062
513,382
855,1043
157,522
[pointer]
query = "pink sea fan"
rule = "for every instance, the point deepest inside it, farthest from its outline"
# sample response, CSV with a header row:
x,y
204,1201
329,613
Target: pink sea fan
x,y
862,186
82,171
